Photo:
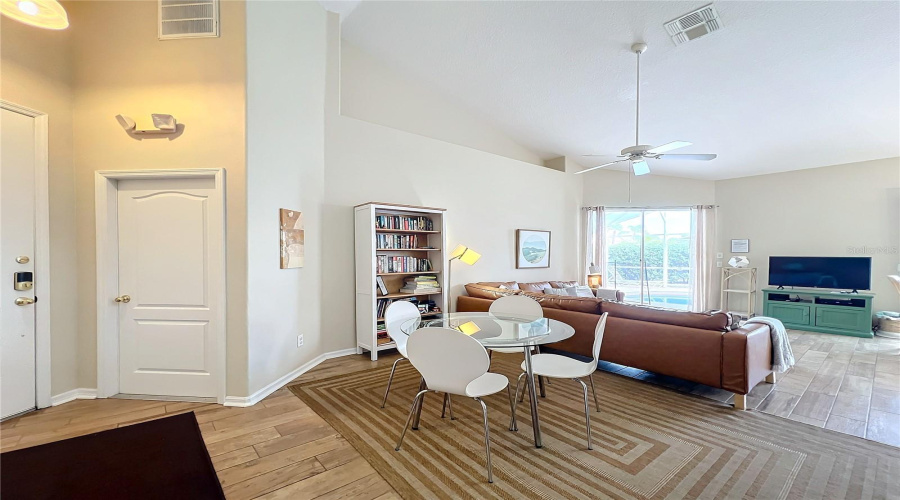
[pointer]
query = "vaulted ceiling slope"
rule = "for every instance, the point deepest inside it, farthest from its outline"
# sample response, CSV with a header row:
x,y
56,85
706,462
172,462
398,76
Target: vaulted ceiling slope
x,y
783,85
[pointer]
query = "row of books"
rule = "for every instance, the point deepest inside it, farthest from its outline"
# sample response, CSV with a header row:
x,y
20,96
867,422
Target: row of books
x,y
395,241
404,222
401,264
382,304
421,284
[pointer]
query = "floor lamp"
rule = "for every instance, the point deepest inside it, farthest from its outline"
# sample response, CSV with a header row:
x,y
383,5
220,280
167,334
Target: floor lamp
x,y
464,254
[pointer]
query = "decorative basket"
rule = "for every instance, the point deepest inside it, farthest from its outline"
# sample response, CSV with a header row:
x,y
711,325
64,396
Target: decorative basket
x,y
888,324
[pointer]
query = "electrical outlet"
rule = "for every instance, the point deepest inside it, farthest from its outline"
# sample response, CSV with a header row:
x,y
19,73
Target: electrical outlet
x,y
719,255
718,263
299,340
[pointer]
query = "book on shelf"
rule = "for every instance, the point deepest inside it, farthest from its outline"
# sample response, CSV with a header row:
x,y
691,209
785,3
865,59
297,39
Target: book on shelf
x,y
403,222
422,284
381,287
401,264
397,241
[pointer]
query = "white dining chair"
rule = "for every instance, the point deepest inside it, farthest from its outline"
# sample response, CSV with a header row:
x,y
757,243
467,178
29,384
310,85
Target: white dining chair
x,y
397,313
556,366
518,306
455,363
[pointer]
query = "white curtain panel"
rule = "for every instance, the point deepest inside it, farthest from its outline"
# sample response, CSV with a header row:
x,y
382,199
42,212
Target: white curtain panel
x,y
594,231
703,257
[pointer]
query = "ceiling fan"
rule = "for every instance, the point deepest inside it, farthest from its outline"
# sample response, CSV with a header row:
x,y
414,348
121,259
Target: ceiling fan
x,y
638,154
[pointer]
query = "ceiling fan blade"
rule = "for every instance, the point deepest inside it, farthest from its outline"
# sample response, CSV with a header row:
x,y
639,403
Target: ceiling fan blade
x,y
600,166
669,147
640,167
687,157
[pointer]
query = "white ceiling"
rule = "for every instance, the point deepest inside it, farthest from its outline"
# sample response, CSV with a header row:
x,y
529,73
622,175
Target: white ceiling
x,y
783,86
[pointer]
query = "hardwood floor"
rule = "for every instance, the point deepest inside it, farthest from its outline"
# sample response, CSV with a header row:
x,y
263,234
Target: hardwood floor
x,y
845,384
280,448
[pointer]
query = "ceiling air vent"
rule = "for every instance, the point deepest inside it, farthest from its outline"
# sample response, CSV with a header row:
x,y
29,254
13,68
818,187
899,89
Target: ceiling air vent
x,y
701,22
188,19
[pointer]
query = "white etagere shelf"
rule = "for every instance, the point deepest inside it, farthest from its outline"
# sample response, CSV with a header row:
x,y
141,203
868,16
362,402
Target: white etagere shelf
x,y
367,253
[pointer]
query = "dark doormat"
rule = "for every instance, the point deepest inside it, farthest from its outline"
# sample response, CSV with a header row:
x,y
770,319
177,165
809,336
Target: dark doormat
x,y
161,459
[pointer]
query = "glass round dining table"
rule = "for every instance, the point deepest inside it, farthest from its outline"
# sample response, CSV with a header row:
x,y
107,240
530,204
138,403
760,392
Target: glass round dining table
x,y
501,331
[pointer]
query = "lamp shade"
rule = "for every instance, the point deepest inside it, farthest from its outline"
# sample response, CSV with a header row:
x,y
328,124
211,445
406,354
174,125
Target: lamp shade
x,y
465,254
595,280
48,14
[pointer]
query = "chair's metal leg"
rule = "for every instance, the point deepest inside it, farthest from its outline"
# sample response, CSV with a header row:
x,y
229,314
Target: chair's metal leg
x,y
418,416
448,403
596,403
487,441
390,379
587,412
513,425
541,384
521,397
412,409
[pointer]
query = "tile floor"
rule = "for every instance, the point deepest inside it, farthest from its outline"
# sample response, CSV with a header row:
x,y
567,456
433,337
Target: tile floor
x,y
845,384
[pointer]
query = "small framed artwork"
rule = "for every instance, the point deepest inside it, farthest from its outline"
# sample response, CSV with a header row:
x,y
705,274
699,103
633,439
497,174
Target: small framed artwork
x,y
292,238
532,248
740,246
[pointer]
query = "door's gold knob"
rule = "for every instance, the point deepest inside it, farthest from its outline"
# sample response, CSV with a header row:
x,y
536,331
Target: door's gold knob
x,y
24,301
124,299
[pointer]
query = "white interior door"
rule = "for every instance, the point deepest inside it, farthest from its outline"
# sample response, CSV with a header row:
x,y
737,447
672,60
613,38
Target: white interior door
x,y
167,268
17,312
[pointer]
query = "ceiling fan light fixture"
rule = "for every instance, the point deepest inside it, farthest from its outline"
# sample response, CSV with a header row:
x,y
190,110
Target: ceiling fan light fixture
x,y
640,167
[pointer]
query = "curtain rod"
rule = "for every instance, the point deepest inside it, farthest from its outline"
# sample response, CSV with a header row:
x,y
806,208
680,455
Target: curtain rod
x,y
650,207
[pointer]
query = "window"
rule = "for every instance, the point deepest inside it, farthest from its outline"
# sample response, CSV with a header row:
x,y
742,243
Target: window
x,y
648,256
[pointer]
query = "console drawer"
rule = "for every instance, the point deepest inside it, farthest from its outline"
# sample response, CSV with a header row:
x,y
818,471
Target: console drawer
x,y
797,314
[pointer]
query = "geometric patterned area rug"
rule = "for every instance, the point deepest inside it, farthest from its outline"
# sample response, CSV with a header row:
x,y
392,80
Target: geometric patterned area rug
x,y
649,442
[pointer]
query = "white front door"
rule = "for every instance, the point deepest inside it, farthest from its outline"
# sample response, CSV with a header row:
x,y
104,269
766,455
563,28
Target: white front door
x,y
17,366
168,268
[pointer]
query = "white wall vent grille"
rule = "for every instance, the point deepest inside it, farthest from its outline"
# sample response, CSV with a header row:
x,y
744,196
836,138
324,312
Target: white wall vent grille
x,y
188,19
693,25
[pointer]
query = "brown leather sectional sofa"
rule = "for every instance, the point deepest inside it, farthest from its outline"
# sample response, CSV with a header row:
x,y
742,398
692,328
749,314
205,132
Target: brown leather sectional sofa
x,y
699,347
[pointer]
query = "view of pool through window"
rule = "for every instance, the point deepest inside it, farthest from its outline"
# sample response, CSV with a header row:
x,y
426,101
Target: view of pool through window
x,y
648,256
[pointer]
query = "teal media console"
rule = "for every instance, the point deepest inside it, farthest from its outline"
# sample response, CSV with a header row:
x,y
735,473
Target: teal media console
x,y
826,312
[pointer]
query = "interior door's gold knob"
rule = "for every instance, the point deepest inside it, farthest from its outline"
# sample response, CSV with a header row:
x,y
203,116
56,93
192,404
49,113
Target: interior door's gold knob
x,y
123,299
24,301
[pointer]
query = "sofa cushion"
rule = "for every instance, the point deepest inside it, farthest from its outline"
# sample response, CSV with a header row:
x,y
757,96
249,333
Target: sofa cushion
x,y
488,292
716,321
512,285
579,291
537,286
556,291
567,303
563,284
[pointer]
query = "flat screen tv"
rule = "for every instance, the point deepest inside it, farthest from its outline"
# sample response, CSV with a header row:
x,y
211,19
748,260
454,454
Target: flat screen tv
x,y
846,273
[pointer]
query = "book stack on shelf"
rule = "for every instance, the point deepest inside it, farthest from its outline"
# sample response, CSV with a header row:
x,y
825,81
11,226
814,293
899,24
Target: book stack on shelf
x,y
401,264
405,223
400,255
421,285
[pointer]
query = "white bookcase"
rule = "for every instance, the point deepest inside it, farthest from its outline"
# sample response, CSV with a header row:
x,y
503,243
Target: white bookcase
x,y
431,245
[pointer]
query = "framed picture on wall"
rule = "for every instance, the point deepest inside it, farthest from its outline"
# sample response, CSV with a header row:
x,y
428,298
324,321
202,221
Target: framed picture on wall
x,y
740,246
532,248
292,238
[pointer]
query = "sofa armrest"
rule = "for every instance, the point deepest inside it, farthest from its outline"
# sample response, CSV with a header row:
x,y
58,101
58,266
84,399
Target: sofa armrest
x,y
746,357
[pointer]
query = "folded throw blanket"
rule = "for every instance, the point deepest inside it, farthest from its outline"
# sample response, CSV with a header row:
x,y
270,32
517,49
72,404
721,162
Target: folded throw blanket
x,y
782,354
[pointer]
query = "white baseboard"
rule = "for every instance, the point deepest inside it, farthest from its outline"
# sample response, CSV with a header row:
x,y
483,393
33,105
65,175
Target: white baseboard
x,y
80,393
261,394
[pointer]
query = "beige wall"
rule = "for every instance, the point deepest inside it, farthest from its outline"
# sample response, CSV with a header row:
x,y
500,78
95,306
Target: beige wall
x,y
828,211
375,93
487,198
36,72
123,68
285,169
610,188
